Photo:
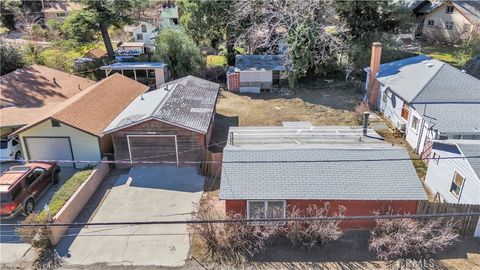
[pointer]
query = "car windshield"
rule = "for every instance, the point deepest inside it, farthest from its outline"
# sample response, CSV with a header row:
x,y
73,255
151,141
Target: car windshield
x,y
5,197
19,169
4,144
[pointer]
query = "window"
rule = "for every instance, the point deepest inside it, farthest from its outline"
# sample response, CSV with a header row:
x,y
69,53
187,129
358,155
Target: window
x,y
431,23
144,28
139,36
265,209
466,27
449,9
436,157
14,142
457,184
415,122
405,112
61,14
34,175
449,25
55,123
4,144
385,95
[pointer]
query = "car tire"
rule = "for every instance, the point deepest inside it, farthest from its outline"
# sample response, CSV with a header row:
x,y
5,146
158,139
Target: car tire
x,y
56,177
29,206
18,156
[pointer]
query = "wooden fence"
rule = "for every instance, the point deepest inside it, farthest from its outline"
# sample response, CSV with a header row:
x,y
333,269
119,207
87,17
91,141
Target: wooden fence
x,y
211,163
466,226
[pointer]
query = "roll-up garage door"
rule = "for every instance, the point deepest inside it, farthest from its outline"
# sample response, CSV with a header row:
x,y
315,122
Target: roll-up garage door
x,y
152,148
46,148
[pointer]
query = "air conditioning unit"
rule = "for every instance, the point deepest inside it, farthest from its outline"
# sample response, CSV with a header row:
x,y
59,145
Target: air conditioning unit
x,y
401,126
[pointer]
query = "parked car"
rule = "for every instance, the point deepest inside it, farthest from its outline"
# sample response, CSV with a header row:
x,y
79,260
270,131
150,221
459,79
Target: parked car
x,y
10,149
21,186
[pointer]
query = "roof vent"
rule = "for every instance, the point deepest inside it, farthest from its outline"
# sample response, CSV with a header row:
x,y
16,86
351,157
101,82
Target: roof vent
x,y
429,64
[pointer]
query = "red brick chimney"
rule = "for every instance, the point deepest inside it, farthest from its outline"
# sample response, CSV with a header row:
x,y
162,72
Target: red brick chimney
x,y
374,69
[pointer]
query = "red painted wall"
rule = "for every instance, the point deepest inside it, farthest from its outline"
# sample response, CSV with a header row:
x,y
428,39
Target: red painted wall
x,y
353,208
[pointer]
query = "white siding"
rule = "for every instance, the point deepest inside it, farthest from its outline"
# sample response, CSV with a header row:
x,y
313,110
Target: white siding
x,y
392,108
256,76
439,176
84,146
148,37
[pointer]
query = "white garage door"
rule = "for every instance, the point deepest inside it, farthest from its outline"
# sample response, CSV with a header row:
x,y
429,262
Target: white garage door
x,y
50,149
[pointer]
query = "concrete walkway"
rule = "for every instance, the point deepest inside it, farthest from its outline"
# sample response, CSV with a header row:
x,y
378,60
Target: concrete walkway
x,y
144,194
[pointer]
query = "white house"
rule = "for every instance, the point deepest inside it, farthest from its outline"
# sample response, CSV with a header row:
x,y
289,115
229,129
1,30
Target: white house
x,y
425,98
142,37
454,173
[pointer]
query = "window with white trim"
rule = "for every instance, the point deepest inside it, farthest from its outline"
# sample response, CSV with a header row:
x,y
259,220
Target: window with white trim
x,y
457,183
449,9
449,25
264,210
430,23
415,122
61,14
139,36
144,28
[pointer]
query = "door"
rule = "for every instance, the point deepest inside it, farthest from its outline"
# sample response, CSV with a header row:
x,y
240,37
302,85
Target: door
x,y
156,149
48,148
35,182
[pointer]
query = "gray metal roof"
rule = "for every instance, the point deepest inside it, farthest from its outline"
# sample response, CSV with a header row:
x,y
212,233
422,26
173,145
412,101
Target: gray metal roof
x,y
255,170
452,118
258,62
188,102
471,9
471,148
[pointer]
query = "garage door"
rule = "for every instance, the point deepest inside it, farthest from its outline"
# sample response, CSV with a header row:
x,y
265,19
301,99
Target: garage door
x,y
153,148
50,149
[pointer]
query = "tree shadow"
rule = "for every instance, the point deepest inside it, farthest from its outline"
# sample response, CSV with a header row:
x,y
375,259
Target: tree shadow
x,y
219,136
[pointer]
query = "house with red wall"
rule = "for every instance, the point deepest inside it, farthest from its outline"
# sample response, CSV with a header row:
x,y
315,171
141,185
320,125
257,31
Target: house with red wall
x,y
298,165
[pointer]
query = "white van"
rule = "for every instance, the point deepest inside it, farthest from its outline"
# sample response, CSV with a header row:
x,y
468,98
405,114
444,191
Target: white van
x,y
10,149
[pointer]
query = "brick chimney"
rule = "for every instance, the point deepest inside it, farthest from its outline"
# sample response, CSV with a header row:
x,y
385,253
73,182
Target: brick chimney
x,y
374,69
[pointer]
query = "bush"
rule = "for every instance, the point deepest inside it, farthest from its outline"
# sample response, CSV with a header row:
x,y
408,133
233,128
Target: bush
x,y
417,240
229,243
11,58
360,109
313,233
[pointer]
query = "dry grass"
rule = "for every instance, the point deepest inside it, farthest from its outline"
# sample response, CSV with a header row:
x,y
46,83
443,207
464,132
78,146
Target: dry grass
x,y
317,103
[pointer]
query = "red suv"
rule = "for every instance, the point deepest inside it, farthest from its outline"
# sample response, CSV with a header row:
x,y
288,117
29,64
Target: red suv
x,y
21,186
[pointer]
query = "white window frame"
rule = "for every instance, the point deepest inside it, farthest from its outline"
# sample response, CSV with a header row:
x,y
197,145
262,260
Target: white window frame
x,y
415,128
433,23
265,206
453,183
143,27
62,14
449,9
148,135
449,25
139,35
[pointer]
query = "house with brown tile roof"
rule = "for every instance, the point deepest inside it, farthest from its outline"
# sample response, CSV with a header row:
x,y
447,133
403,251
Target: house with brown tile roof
x,y
32,91
73,130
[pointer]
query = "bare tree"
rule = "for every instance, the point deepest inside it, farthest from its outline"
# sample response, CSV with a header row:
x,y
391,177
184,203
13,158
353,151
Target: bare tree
x,y
28,23
313,233
307,32
410,239
229,243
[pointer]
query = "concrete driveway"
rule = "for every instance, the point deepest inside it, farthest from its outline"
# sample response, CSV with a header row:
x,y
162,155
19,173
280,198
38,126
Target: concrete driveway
x,y
144,194
12,249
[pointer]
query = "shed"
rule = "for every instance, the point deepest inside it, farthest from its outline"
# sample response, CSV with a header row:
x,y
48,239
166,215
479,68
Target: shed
x,y
171,124
256,73
149,73
286,167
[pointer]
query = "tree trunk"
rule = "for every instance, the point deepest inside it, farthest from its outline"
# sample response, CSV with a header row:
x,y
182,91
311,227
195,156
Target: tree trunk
x,y
106,40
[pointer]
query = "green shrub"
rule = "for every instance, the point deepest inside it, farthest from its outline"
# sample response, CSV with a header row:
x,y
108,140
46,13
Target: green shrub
x,y
65,192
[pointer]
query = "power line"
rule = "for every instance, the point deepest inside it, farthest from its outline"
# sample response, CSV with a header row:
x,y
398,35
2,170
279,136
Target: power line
x,y
243,161
231,221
